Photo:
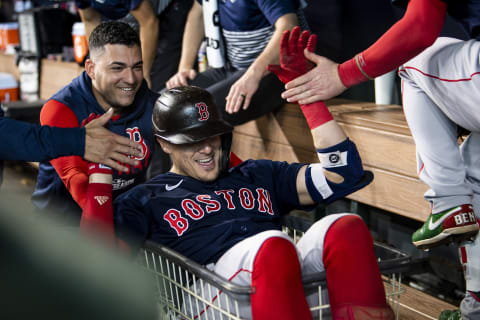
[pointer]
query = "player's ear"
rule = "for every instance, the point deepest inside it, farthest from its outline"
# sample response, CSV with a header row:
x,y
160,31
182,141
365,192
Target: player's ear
x,y
90,68
165,145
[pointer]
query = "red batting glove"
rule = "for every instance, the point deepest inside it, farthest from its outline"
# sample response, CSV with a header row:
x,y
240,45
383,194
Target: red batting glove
x,y
292,59
294,64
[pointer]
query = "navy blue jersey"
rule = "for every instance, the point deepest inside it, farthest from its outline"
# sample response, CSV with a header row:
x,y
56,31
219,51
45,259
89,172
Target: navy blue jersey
x,y
202,220
248,15
110,9
50,194
466,12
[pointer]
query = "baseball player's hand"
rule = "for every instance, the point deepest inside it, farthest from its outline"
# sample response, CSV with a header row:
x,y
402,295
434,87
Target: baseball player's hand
x,y
180,78
321,83
103,146
292,60
242,90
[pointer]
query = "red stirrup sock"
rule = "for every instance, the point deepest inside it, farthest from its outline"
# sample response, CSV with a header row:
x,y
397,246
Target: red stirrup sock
x,y
355,287
277,282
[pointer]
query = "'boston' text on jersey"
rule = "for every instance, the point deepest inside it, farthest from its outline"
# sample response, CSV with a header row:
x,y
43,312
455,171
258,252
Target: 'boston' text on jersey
x,y
203,203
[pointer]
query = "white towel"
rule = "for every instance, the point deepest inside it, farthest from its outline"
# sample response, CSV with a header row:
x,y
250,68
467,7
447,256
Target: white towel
x,y
215,46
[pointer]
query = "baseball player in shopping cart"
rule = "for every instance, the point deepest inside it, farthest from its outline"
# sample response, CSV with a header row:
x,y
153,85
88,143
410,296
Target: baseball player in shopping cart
x,y
229,218
439,94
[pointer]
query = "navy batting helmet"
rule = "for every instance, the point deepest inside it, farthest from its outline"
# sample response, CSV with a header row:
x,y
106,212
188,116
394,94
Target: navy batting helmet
x,y
187,115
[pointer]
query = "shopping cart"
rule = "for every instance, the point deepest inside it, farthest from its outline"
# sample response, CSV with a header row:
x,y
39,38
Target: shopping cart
x,y
187,290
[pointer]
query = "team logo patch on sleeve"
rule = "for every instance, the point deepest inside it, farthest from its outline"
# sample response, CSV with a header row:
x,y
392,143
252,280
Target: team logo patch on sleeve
x,y
333,159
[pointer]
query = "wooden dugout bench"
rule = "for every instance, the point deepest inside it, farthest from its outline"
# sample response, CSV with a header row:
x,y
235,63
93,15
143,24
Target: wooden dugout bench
x,y
382,137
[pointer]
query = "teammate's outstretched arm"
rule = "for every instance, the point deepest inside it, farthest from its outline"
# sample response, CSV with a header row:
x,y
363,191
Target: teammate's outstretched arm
x,y
337,153
422,22
31,142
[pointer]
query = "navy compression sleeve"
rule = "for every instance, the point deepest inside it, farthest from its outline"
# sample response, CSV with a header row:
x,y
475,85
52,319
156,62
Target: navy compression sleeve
x,y
31,142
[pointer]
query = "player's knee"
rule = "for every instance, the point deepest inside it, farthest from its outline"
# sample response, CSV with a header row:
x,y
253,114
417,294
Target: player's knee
x,y
349,231
348,223
276,252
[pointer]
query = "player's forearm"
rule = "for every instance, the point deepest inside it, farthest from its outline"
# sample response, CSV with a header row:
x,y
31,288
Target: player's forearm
x,y
62,141
271,54
340,171
192,37
149,39
327,135
97,216
90,18
148,23
417,30
39,143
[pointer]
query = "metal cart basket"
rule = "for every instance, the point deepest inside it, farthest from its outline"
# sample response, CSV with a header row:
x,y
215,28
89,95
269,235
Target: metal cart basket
x,y
187,290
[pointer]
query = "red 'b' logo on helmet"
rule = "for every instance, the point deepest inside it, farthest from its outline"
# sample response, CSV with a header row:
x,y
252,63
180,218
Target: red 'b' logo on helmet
x,y
203,111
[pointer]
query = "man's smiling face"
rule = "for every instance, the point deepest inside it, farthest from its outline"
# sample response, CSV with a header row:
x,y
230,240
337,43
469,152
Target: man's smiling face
x,y
116,73
200,160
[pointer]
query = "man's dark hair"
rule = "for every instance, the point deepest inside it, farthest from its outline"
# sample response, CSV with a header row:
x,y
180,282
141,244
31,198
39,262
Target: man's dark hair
x,y
112,32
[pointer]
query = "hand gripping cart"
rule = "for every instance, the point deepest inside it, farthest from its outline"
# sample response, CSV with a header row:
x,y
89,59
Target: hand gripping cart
x,y
187,290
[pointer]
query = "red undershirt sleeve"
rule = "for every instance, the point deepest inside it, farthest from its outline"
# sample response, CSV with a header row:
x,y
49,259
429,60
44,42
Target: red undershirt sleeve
x,y
72,169
234,160
417,30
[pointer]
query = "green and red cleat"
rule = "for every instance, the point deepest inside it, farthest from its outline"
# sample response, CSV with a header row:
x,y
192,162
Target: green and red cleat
x,y
450,315
452,225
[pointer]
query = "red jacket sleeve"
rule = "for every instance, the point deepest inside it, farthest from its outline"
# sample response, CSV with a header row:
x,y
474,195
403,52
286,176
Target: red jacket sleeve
x,y
72,169
234,160
417,30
